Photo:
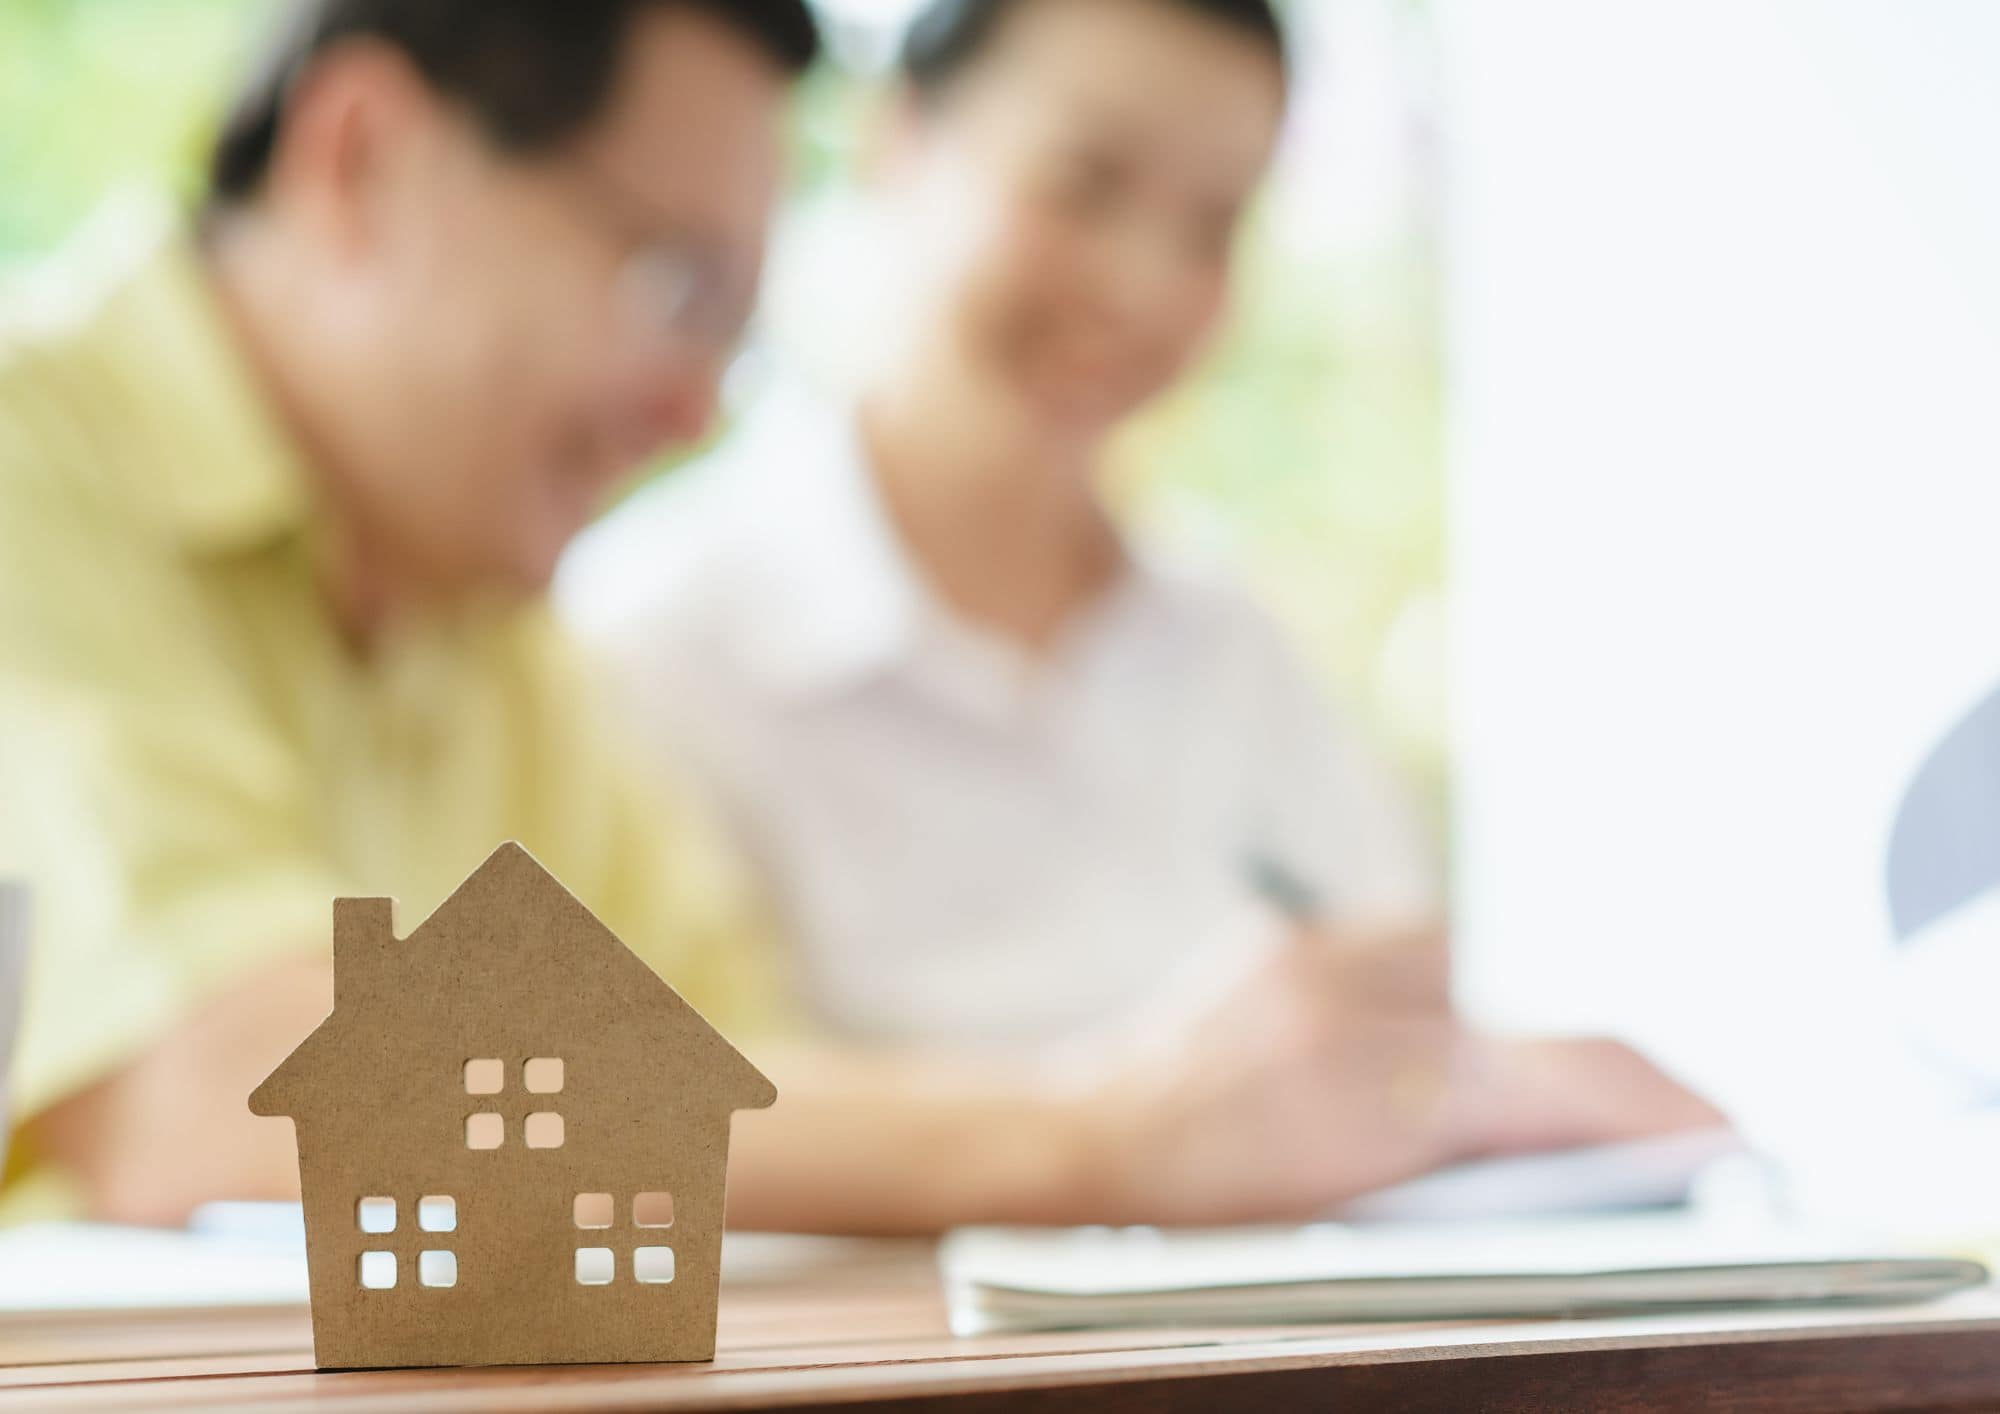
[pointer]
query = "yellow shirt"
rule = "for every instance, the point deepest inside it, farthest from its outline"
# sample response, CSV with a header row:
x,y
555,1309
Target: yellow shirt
x,y
192,765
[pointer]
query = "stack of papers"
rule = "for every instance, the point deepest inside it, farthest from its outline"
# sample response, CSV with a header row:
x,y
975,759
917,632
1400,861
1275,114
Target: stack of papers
x,y
254,1254
1014,1279
80,1267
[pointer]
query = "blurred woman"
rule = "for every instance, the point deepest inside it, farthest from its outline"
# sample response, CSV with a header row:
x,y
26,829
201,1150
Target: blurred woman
x,y
1006,770
1013,777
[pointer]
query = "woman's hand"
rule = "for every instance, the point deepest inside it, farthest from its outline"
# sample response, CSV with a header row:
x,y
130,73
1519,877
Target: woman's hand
x,y
1336,1065
1319,1074
1517,1095
1564,1092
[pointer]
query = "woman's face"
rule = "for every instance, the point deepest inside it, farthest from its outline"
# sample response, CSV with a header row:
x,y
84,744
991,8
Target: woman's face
x,y
1074,198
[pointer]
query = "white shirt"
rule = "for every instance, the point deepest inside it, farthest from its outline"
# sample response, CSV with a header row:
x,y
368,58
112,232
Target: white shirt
x,y
969,845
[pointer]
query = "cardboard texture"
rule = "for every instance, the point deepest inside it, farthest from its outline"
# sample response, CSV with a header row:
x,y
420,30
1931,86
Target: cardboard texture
x,y
511,1056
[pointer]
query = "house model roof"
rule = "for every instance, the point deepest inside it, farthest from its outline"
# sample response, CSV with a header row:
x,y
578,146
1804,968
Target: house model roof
x,y
512,953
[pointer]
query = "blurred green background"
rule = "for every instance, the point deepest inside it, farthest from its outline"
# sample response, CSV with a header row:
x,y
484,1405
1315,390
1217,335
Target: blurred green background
x,y
1309,451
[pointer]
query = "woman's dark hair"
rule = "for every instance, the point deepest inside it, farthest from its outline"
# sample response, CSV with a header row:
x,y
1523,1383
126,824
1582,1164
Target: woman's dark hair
x,y
949,35
532,72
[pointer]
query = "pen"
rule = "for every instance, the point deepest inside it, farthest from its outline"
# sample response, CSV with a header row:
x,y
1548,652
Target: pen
x,y
1282,887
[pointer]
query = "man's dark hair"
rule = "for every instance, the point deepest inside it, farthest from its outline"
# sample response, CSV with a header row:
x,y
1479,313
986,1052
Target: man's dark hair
x,y
949,35
532,72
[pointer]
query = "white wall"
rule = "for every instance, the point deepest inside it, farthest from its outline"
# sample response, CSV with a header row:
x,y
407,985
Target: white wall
x,y
1726,332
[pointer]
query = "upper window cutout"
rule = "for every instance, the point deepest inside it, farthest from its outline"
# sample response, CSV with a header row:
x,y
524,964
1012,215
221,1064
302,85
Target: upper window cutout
x,y
376,1214
653,1210
543,1076
592,1210
436,1213
485,1077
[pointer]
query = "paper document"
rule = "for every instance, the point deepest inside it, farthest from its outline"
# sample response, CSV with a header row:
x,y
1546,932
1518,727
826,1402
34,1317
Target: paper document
x,y
1025,1279
254,1254
83,1267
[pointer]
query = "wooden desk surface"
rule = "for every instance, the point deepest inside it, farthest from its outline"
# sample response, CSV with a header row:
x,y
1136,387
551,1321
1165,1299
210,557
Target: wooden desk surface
x,y
856,1326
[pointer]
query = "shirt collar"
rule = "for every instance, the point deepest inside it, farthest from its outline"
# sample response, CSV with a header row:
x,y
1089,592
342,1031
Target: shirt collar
x,y
219,473
836,599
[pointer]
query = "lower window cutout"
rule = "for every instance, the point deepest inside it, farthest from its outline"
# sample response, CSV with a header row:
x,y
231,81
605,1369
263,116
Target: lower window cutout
x,y
595,1266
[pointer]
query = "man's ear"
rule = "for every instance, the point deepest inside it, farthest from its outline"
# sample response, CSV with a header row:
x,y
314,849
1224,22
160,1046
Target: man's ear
x,y
359,123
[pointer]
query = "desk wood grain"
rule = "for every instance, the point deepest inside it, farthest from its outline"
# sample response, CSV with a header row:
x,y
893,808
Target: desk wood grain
x,y
866,1331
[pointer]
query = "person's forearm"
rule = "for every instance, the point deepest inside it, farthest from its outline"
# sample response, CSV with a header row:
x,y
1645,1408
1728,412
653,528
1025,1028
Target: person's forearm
x,y
859,1145
172,1130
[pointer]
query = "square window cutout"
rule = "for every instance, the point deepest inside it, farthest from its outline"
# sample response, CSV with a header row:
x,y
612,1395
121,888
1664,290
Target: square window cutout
x,y
484,1131
485,1077
592,1210
378,1271
653,1265
437,1268
653,1210
595,1266
544,1130
543,1076
376,1214
437,1214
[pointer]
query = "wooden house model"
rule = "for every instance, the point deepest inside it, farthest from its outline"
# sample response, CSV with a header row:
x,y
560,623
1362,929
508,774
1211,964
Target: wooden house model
x,y
513,1138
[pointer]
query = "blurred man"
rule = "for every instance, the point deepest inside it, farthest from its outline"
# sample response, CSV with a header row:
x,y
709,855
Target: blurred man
x,y
278,498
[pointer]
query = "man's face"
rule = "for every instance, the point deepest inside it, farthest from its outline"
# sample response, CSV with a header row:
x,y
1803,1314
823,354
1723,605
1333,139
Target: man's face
x,y
549,323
